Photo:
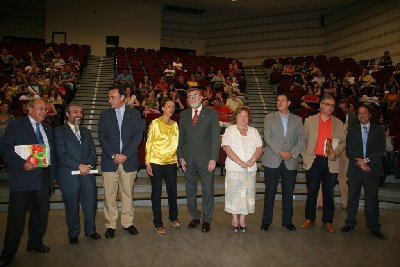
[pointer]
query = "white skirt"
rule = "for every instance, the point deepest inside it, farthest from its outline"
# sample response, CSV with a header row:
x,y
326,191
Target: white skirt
x,y
240,192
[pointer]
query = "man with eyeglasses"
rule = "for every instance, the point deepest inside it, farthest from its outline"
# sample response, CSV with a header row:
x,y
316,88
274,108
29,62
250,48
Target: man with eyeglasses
x,y
30,186
198,152
325,142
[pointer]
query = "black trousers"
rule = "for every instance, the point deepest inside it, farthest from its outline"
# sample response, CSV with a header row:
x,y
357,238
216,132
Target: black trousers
x,y
38,204
319,172
371,204
271,179
169,172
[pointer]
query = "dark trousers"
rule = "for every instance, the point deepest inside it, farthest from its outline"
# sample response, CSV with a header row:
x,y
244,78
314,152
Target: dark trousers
x,y
371,206
169,172
271,179
318,172
84,194
38,204
207,187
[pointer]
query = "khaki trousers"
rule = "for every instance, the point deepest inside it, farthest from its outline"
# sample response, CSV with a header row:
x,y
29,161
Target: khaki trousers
x,y
124,181
342,178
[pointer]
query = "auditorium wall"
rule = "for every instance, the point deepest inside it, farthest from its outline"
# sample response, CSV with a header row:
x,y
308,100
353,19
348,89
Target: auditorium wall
x,y
364,30
89,22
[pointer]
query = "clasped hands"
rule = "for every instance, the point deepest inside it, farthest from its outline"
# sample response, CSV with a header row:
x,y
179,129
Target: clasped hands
x,y
120,158
362,164
211,164
246,164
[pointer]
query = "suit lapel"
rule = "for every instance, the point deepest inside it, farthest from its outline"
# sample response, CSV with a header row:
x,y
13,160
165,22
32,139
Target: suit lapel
x,y
31,130
279,122
70,134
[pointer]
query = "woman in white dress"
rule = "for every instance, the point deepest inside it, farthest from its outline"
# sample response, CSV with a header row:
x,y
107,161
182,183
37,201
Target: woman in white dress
x,y
243,146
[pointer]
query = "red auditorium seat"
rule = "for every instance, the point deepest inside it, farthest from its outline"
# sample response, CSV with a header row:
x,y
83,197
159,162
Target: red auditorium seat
x,y
304,113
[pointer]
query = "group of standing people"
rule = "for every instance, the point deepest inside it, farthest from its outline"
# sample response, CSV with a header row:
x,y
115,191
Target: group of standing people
x,y
195,145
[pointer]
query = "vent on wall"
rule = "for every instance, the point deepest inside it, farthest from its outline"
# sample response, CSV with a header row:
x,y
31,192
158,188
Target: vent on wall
x,y
185,10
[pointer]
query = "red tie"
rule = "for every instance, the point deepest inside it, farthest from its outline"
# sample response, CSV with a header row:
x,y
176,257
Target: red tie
x,y
195,117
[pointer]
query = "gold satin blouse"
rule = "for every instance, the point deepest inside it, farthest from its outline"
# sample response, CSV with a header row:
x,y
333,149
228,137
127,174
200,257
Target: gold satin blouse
x,y
162,142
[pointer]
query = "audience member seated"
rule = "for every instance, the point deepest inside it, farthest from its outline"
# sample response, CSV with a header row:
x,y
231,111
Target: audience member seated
x,y
289,69
51,71
331,90
5,117
230,87
199,74
67,78
371,64
314,70
5,56
58,103
26,60
169,72
224,112
49,53
301,80
319,79
161,85
59,62
125,79
131,100
234,68
11,90
386,60
347,90
174,96
233,102
177,64
51,115
74,63
208,92
145,86
150,104
211,73
366,80
218,81
35,90
391,99
181,85
205,102
20,76
370,101
163,95
396,72
11,66
316,89
332,77
43,81
60,89
349,77
192,83
277,66
374,69
42,61
32,68
393,82
310,100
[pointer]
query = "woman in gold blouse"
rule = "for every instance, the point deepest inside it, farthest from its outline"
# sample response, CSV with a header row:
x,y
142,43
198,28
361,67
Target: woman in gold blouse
x,y
161,161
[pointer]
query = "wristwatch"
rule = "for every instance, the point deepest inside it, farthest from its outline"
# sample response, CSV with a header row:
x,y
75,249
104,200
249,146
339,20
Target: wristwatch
x,y
367,160
113,156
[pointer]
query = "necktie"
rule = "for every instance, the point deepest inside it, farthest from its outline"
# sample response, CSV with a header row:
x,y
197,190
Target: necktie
x,y
365,139
39,135
119,118
77,133
195,117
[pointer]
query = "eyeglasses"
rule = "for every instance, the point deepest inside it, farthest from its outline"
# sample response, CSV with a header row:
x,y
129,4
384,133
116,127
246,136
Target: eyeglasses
x,y
193,96
41,109
328,105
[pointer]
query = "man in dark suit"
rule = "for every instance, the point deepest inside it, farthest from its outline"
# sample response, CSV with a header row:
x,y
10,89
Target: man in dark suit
x,y
30,186
120,133
365,148
198,152
284,138
76,152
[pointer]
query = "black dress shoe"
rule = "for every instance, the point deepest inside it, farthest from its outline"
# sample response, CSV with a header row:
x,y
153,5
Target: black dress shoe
x,y
94,236
264,227
290,227
132,230
193,223
205,228
73,240
42,249
346,228
110,233
4,263
378,234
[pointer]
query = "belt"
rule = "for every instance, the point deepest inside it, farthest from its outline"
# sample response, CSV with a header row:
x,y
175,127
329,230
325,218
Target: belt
x,y
320,156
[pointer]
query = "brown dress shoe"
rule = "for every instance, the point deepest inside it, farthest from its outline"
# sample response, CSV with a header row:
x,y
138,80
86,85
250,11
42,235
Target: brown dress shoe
x,y
193,223
307,224
329,228
205,227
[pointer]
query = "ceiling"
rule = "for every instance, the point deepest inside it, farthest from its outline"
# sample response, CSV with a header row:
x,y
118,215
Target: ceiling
x,y
256,7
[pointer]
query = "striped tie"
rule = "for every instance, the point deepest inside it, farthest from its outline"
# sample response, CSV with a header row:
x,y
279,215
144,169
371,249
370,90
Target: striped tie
x,y
77,133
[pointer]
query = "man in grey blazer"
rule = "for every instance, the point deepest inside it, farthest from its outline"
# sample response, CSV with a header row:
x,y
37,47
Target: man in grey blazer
x,y
198,152
284,138
120,133
76,152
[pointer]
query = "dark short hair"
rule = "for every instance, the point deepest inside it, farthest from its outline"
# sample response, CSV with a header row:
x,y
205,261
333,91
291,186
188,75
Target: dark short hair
x,y
363,106
346,102
120,89
288,98
165,100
